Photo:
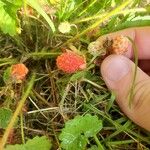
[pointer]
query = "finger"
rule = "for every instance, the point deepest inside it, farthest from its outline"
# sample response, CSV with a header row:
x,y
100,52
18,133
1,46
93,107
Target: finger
x,y
141,37
142,40
117,72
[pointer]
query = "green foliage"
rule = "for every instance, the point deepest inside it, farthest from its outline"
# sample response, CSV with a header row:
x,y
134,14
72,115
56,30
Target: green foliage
x,y
66,8
14,2
36,5
77,131
78,75
148,7
70,9
5,115
37,143
6,75
94,7
38,48
118,2
9,22
94,147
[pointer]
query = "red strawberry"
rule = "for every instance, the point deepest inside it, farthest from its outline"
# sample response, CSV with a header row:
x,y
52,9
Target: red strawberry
x,y
19,71
120,44
70,62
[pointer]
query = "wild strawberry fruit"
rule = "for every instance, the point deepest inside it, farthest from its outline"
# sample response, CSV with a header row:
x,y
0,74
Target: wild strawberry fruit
x,y
19,71
70,62
96,48
120,44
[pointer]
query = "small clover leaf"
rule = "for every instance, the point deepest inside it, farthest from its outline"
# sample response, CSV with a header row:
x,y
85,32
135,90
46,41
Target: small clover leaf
x,y
37,143
77,131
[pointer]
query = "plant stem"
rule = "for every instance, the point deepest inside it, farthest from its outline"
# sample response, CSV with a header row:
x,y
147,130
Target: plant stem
x,y
16,113
64,8
92,3
100,147
44,54
36,5
22,131
65,94
93,83
135,50
7,63
103,14
121,142
26,19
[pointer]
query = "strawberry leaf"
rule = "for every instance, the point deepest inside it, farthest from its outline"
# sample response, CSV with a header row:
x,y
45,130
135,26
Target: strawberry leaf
x,y
76,132
90,125
5,115
37,143
8,16
14,2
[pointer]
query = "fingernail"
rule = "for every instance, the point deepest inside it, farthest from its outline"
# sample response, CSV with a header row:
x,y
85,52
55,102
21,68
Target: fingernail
x,y
115,67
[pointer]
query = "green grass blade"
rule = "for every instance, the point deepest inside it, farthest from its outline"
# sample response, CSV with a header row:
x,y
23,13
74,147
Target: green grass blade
x,y
34,4
129,24
106,17
16,113
135,50
90,5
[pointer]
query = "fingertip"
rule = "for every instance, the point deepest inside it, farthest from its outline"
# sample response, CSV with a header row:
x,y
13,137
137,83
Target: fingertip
x,y
114,68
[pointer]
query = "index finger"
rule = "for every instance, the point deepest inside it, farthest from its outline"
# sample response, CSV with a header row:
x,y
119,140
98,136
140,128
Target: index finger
x,y
141,37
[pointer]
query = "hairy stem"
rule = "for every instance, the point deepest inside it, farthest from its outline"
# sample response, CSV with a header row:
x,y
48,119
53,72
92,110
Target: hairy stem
x,y
16,113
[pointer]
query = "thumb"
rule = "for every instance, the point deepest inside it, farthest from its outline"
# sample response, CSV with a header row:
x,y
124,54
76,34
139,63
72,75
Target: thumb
x,y
117,72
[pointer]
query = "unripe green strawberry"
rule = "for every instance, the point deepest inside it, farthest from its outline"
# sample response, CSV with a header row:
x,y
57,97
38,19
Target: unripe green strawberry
x,y
64,27
94,48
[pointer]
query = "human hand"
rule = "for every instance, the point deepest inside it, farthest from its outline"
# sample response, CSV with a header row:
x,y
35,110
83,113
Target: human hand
x,y
118,70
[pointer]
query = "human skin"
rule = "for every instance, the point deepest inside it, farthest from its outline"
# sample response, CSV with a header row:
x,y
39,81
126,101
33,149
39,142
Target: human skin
x,y
117,72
